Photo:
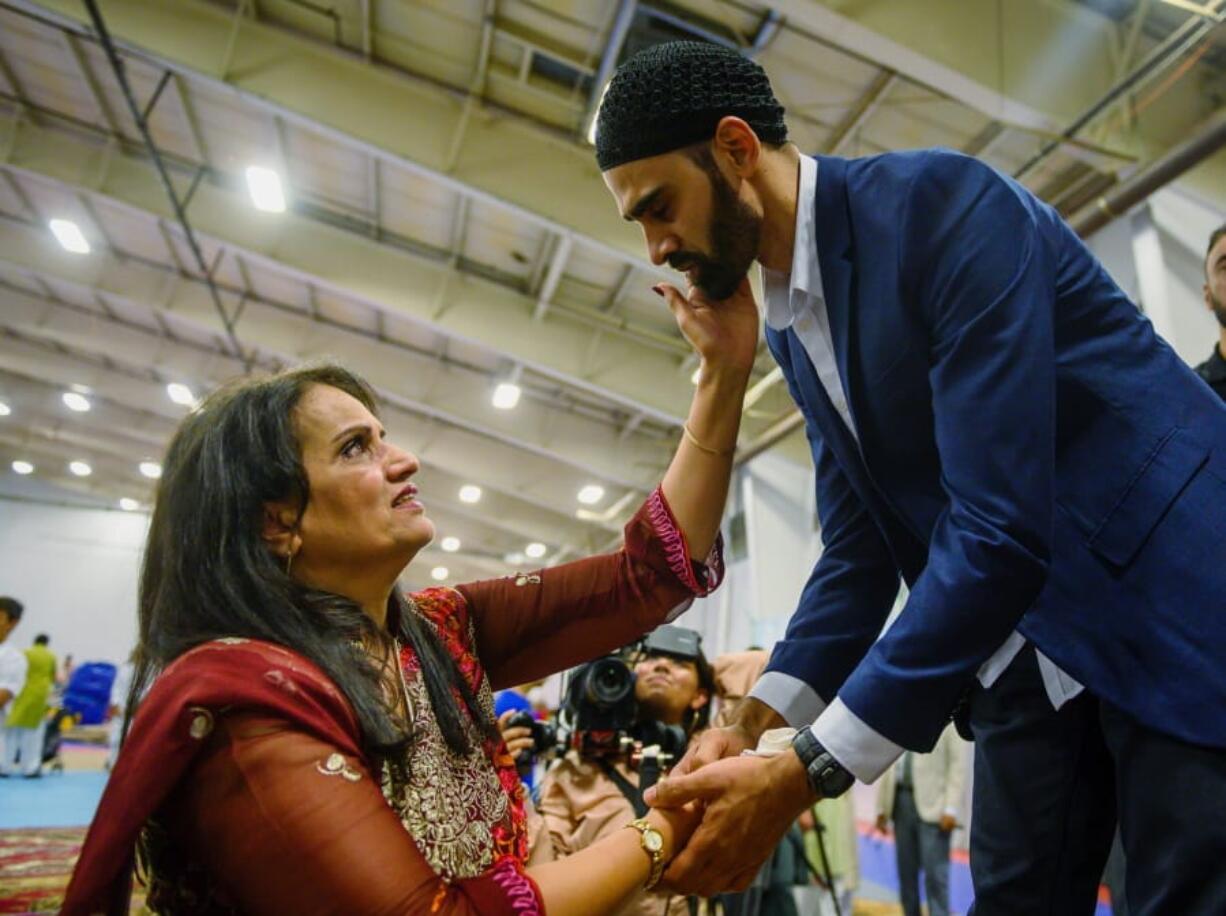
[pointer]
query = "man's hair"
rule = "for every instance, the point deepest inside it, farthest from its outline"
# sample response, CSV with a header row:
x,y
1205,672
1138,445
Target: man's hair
x,y
1214,238
41,639
672,95
11,606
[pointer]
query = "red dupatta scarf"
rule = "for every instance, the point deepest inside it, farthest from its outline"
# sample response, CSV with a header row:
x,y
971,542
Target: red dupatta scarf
x,y
170,729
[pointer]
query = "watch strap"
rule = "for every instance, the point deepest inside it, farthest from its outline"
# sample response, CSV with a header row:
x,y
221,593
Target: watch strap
x,y
656,855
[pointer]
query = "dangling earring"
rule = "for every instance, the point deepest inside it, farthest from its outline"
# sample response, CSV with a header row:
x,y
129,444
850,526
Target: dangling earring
x,y
289,559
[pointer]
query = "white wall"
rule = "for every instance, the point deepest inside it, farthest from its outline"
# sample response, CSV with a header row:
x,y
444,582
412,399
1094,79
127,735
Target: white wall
x,y
75,570
1156,254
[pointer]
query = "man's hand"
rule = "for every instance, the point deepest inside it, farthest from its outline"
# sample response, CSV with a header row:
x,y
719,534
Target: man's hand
x,y
752,718
947,823
750,804
712,745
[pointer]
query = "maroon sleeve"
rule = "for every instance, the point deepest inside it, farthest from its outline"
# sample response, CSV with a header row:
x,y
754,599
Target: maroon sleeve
x,y
285,824
534,624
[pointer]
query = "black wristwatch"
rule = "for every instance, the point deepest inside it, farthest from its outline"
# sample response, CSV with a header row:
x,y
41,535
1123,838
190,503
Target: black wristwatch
x,y
827,776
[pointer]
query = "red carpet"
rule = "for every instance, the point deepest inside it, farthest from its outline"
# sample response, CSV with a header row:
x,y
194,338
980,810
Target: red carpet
x,y
35,865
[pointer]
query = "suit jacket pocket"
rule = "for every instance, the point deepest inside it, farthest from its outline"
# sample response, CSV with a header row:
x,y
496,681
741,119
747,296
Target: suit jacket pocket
x,y
1151,491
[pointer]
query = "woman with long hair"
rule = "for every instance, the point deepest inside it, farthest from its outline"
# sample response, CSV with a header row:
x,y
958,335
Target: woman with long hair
x,y
308,739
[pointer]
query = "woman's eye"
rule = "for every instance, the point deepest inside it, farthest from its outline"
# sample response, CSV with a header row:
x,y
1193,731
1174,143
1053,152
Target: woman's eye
x,y
354,446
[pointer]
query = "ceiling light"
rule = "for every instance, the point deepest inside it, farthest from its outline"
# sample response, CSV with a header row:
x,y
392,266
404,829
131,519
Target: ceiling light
x,y
697,376
76,401
80,469
5,410
22,467
68,234
128,504
535,550
151,469
451,545
514,559
506,395
439,573
181,394
591,494
470,493
265,187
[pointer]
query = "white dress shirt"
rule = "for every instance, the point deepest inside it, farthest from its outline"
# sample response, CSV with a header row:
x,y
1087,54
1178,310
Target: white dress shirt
x,y
797,300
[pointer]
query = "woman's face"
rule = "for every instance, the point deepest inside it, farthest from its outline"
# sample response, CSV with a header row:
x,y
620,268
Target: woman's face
x,y
668,688
362,519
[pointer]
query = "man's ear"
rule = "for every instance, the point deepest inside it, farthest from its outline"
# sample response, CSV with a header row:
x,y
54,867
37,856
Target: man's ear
x,y
739,145
1208,298
280,529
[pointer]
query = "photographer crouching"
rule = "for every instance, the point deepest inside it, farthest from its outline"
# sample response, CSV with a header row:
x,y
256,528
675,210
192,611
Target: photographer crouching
x,y
626,719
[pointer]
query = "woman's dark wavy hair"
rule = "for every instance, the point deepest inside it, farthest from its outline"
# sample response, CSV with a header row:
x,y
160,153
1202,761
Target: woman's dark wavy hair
x,y
208,572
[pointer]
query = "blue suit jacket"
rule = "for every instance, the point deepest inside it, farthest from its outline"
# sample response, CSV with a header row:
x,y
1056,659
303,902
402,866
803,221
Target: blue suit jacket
x,y
1031,455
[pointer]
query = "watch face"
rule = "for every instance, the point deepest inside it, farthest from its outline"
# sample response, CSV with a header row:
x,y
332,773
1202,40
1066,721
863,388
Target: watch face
x,y
653,841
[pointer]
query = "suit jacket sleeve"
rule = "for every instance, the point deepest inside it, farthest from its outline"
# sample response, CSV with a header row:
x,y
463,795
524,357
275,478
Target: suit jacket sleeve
x,y
983,276
848,596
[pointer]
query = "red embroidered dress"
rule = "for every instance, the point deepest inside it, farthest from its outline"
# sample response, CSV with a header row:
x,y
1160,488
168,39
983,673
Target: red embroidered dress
x,y
247,758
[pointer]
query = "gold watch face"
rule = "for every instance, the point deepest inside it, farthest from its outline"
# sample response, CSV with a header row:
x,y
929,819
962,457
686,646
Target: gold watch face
x,y
652,841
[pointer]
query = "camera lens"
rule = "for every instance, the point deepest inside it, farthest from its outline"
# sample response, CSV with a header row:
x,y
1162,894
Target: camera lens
x,y
609,682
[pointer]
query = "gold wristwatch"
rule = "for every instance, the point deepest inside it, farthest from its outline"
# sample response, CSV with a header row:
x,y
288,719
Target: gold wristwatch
x,y
652,842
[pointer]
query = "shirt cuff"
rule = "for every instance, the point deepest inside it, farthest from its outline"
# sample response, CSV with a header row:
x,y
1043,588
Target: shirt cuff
x,y
861,750
789,696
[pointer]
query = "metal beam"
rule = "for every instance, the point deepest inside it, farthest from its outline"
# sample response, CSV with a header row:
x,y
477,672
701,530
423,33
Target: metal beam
x,y
619,27
91,82
557,266
1178,44
861,111
121,77
349,265
278,72
283,333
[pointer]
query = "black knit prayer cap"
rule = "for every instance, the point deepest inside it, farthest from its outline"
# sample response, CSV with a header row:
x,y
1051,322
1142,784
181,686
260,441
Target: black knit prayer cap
x,y
672,95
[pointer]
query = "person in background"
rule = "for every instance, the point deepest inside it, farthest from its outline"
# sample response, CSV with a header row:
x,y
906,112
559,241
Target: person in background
x,y
318,741
26,722
583,800
834,855
116,710
922,796
1213,370
12,672
65,672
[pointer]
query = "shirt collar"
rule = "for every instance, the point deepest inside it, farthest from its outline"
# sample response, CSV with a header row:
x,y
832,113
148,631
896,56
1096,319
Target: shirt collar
x,y
805,276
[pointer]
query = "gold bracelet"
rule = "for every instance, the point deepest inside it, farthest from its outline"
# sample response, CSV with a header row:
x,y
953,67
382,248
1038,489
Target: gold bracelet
x,y
685,428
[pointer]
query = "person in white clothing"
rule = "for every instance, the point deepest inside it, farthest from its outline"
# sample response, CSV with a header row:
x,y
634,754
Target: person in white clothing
x,y
921,795
12,671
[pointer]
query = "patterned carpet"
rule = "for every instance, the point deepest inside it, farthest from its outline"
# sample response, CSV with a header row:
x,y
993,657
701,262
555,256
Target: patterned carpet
x,y
35,865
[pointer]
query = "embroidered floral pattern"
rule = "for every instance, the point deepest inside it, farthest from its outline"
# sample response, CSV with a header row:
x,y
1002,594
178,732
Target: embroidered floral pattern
x,y
519,890
464,812
677,551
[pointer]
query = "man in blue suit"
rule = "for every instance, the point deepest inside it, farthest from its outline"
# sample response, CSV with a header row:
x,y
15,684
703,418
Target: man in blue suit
x,y
992,420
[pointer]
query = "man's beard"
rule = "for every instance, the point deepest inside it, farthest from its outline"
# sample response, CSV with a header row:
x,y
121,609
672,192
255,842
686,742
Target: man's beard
x,y
735,233
1219,309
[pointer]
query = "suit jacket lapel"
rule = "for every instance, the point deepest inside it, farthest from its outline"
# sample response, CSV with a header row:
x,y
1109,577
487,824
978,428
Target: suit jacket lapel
x,y
833,234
